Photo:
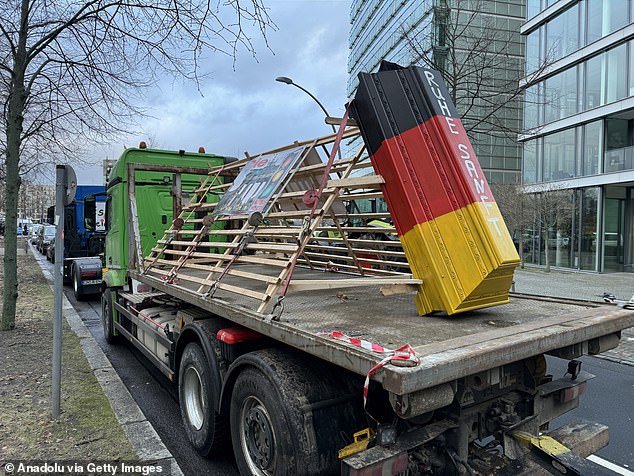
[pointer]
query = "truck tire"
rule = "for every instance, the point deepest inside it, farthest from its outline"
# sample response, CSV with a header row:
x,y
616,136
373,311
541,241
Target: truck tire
x,y
202,424
107,317
290,413
261,433
78,289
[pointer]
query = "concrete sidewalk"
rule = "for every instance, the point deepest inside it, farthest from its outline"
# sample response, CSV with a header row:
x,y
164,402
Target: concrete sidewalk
x,y
587,287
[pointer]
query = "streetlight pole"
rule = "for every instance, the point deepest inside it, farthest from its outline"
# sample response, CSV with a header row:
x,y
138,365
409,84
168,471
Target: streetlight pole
x,y
286,80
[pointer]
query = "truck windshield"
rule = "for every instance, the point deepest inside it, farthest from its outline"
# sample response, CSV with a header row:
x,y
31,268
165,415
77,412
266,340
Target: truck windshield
x,y
49,232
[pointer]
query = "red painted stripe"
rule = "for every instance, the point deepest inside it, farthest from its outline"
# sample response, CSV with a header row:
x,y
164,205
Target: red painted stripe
x,y
429,171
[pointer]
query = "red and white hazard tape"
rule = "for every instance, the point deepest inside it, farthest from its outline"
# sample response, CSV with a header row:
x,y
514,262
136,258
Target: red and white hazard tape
x,y
405,352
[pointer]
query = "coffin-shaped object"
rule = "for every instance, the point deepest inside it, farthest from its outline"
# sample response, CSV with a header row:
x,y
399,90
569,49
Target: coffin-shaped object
x,y
444,212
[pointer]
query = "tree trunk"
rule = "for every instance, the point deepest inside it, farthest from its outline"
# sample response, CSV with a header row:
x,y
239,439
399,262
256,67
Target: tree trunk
x,y
14,126
15,119
546,259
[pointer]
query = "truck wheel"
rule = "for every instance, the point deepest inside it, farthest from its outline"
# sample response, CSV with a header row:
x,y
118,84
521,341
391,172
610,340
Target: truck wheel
x,y
203,426
107,316
78,290
260,431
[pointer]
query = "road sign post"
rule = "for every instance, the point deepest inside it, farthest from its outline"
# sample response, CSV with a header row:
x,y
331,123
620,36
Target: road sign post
x,y
65,186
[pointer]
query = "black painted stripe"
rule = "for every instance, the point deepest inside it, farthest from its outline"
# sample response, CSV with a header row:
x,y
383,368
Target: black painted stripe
x,y
397,99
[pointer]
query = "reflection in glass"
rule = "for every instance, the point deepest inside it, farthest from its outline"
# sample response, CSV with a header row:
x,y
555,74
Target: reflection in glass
x,y
614,219
616,80
533,50
604,17
594,81
529,162
531,107
592,147
559,155
589,217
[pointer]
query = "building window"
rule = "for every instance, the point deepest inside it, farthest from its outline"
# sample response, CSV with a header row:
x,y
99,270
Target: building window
x,y
592,135
618,150
533,50
533,7
531,107
613,228
594,81
631,62
559,156
561,95
604,17
616,69
588,229
529,161
558,227
562,34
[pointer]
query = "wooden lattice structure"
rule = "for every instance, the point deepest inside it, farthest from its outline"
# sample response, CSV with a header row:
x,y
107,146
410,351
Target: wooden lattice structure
x,y
252,256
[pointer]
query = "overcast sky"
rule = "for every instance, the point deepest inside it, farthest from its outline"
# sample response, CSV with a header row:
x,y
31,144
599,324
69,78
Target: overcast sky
x,y
245,109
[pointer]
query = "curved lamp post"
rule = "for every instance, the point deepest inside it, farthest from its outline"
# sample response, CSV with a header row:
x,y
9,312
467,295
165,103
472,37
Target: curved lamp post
x,y
286,80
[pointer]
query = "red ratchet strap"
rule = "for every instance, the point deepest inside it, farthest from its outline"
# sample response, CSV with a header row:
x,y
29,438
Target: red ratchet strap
x,y
324,180
405,352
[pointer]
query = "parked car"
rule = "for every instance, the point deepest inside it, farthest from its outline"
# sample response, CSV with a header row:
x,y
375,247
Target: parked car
x,y
50,251
33,231
44,237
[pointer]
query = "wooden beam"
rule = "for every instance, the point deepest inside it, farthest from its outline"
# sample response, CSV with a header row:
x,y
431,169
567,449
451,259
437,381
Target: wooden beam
x,y
315,284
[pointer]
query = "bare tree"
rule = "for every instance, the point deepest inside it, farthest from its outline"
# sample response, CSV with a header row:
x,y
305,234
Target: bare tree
x,y
74,72
482,63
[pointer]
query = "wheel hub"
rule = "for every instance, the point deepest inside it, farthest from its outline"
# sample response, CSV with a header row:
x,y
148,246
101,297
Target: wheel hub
x,y
259,438
193,393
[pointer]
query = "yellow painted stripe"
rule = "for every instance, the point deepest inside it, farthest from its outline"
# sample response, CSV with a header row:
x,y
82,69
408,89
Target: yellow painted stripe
x,y
465,258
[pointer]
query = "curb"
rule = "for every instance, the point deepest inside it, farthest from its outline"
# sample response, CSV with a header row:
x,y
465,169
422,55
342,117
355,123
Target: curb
x,y
140,432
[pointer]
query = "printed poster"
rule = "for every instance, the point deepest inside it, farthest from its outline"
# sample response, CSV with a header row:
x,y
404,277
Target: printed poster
x,y
257,182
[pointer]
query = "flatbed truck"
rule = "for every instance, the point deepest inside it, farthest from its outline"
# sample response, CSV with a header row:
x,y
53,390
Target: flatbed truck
x,y
312,374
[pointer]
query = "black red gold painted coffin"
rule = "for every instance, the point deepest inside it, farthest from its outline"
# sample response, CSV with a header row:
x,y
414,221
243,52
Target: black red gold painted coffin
x,y
444,212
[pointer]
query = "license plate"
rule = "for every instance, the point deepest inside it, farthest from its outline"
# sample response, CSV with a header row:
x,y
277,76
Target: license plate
x,y
90,282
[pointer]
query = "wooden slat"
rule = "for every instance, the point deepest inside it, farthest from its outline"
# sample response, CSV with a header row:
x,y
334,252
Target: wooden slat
x,y
315,284
353,270
368,181
280,263
396,254
359,229
220,285
280,248
218,269
195,254
242,291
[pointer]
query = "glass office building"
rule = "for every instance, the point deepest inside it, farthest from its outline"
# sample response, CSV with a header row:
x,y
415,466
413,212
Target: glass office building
x,y
579,130
383,30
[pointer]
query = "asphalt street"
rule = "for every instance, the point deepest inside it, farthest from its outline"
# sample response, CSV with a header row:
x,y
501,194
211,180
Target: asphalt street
x,y
607,400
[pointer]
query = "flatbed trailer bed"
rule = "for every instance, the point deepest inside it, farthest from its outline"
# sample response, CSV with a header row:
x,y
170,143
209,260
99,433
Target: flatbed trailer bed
x,y
449,347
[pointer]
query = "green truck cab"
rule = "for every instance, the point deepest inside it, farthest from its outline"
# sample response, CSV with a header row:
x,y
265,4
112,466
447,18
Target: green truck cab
x,y
145,192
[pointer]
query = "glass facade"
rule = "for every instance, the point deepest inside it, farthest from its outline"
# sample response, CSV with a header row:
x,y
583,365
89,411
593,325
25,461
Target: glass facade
x,y
580,25
604,78
576,152
565,234
405,32
579,226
